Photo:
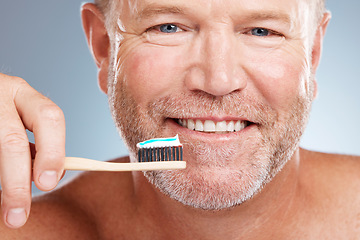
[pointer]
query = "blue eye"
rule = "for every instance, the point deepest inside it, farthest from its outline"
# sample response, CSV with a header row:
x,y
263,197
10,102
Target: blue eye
x,y
168,28
260,32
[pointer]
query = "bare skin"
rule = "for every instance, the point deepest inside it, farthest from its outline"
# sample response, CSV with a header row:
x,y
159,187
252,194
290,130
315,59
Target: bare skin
x,y
314,196
312,209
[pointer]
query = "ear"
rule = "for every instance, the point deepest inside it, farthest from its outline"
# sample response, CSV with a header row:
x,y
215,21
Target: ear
x,y
317,46
98,40
318,40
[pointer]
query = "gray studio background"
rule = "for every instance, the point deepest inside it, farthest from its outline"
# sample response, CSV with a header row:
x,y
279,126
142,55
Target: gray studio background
x,y
42,42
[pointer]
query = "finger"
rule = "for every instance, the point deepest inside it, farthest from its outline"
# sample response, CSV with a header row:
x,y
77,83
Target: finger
x,y
15,169
15,165
46,120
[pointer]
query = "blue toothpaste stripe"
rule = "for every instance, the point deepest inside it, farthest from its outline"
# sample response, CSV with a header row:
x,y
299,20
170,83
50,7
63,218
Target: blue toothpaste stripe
x,y
158,140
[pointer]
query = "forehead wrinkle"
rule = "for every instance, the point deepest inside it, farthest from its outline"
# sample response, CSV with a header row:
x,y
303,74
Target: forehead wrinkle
x,y
153,9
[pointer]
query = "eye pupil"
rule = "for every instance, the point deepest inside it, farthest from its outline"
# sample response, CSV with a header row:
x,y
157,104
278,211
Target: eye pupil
x,y
168,28
260,32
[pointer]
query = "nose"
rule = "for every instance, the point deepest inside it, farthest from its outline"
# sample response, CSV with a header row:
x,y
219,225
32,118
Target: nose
x,y
217,67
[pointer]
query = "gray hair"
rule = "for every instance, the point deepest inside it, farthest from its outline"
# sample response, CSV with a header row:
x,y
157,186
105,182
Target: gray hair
x,y
106,6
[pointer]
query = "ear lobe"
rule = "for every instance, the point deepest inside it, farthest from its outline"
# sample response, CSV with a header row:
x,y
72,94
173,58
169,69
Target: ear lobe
x,y
315,89
103,75
318,41
98,40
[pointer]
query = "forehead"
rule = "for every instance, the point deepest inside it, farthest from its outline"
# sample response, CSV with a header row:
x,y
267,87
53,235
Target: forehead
x,y
289,9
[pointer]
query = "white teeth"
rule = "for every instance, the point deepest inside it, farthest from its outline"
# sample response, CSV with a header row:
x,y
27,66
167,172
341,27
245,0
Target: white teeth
x,y
221,126
230,126
184,124
191,124
237,126
211,126
199,126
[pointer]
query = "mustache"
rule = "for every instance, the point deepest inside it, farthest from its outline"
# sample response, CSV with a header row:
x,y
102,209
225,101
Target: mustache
x,y
199,104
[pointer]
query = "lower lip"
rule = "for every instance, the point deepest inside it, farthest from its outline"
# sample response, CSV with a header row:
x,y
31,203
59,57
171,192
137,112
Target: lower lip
x,y
183,131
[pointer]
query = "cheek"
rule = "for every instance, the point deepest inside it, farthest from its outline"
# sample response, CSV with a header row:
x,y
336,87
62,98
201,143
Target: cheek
x,y
152,72
279,78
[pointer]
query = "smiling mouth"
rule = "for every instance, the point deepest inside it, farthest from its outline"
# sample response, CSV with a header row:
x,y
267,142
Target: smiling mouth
x,y
209,126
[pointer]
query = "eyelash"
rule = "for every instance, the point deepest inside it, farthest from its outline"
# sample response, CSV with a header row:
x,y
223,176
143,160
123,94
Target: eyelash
x,y
270,32
157,27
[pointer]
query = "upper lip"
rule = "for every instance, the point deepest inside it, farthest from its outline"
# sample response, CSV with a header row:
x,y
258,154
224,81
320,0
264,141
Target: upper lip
x,y
215,118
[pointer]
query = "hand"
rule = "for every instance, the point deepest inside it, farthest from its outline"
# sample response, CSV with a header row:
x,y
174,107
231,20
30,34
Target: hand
x,y
21,108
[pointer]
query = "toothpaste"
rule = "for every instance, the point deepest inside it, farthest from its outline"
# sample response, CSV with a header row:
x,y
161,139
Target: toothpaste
x,y
160,142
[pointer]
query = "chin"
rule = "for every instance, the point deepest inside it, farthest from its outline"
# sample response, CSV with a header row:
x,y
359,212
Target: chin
x,y
217,185
222,178
209,189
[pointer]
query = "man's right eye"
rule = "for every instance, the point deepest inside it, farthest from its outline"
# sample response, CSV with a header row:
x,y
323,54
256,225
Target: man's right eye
x,y
168,34
166,28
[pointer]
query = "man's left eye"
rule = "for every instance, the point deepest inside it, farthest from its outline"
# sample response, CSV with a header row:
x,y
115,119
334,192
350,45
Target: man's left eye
x,y
260,32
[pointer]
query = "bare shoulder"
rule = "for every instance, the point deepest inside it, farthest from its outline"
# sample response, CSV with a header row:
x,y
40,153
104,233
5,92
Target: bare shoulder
x,y
342,168
73,211
334,181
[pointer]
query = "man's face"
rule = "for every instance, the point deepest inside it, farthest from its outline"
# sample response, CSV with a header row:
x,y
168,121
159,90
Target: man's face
x,y
231,78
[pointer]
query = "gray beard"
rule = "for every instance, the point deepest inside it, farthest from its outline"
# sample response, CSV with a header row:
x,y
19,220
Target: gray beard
x,y
217,177
217,186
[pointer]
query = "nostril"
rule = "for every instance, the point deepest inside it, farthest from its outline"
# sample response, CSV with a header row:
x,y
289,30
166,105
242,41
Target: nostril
x,y
195,79
216,82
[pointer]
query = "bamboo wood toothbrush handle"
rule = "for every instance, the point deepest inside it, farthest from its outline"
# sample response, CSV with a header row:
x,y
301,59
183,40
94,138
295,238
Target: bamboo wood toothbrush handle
x,y
84,164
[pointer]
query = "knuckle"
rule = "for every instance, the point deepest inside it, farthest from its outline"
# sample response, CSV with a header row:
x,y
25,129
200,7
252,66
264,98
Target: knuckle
x,y
18,82
9,83
14,139
51,112
5,77
15,193
10,86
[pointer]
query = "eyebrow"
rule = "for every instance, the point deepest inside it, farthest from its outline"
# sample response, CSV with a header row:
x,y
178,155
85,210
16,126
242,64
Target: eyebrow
x,y
268,15
153,10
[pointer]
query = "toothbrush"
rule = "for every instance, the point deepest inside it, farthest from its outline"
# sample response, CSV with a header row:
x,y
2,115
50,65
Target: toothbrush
x,y
153,154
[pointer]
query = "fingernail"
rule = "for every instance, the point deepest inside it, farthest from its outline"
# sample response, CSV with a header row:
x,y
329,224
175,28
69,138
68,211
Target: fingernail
x,y
48,179
16,217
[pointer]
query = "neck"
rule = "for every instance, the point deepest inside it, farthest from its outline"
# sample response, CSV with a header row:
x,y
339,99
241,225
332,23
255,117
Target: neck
x,y
265,212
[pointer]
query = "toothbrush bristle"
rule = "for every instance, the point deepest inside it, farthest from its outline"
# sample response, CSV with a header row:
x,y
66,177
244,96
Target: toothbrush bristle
x,y
160,154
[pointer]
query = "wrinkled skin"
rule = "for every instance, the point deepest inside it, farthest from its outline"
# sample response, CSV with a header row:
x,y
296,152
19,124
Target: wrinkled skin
x,y
216,70
214,66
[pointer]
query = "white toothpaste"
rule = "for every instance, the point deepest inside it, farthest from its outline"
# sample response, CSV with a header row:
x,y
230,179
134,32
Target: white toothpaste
x,y
160,142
